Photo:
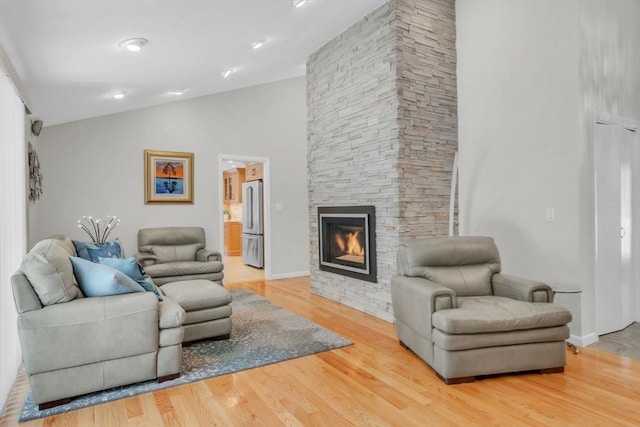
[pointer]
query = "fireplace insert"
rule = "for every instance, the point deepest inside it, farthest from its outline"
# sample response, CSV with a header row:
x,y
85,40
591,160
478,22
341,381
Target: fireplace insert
x,y
347,241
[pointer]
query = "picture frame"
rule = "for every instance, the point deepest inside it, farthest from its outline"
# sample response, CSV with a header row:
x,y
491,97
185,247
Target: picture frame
x,y
168,177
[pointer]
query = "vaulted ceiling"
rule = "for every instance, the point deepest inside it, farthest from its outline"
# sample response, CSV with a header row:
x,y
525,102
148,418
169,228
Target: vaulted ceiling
x,y
68,53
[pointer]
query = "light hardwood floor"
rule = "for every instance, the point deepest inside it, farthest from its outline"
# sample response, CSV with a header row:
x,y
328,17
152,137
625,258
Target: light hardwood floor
x,y
236,271
373,382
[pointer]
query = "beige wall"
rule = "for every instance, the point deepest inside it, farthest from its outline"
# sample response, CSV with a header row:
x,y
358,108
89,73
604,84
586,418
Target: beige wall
x,y
530,76
95,166
610,83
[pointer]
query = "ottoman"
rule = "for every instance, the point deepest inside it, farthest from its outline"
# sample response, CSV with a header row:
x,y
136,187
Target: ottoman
x,y
207,307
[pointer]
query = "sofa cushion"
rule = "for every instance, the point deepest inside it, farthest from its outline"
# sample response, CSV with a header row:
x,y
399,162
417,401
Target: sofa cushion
x,y
476,315
97,280
49,270
184,268
92,251
176,253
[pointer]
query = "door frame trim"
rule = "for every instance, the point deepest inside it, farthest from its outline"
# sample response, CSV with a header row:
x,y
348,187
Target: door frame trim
x,y
266,203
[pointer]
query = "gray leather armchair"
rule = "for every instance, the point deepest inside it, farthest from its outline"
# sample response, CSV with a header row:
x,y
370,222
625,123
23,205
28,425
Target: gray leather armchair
x,y
457,312
170,254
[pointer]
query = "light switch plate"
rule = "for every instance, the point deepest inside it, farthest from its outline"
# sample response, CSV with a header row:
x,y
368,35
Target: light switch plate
x,y
550,215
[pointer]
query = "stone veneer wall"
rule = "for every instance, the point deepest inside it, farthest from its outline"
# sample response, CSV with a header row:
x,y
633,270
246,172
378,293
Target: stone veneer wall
x,y
428,118
381,107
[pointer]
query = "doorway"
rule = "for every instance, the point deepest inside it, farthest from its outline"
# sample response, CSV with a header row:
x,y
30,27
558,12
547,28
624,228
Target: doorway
x,y
616,154
232,175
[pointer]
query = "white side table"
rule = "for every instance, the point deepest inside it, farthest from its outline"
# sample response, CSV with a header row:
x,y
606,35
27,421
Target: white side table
x,y
568,296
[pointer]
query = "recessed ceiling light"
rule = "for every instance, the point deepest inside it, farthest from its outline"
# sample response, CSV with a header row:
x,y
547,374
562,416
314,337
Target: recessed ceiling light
x,y
227,73
299,3
177,92
134,45
119,94
258,43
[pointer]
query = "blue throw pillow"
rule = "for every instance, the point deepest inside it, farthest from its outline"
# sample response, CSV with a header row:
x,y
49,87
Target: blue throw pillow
x,y
149,286
96,280
92,251
131,268
128,266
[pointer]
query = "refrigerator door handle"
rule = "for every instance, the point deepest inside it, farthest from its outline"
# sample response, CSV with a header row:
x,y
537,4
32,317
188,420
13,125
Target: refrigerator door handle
x,y
250,191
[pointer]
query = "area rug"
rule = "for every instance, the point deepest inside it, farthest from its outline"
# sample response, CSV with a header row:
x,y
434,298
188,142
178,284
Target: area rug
x,y
262,333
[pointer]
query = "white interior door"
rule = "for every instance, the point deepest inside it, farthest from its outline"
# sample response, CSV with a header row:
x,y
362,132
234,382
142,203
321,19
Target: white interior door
x,y
617,169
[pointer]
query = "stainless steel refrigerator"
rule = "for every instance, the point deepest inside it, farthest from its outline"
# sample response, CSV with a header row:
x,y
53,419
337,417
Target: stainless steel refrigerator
x,y
252,224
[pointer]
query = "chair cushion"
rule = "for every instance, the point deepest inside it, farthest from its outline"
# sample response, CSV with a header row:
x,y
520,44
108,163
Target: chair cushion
x,y
464,280
183,268
463,264
455,342
195,295
169,236
495,314
176,253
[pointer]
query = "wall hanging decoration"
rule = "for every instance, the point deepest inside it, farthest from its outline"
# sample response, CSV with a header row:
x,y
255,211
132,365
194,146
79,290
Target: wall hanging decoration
x,y
35,176
168,177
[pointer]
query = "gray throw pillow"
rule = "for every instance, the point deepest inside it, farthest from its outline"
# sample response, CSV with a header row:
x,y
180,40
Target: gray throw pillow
x,y
49,270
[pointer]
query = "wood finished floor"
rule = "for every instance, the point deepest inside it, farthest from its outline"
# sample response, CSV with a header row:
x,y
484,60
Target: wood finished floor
x,y
372,383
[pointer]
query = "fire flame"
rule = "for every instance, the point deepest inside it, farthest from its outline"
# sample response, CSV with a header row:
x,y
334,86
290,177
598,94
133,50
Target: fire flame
x,y
352,245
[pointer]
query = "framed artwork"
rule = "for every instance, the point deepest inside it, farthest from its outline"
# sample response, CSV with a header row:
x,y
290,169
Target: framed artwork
x,y
168,177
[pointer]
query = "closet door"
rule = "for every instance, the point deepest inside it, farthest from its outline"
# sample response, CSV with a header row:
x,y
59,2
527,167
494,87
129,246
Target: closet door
x,y
615,159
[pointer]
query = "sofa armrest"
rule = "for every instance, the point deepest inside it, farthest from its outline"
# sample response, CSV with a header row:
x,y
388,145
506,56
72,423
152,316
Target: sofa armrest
x,y
145,258
415,299
24,295
172,315
88,330
205,255
521,289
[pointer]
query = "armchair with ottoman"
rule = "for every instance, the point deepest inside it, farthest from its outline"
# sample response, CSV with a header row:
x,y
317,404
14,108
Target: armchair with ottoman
x,y
456,311
177,261
170,254
73,345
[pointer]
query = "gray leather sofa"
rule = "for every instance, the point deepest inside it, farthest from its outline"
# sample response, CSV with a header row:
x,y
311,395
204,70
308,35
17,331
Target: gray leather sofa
x,y
455,310
170,254
72,345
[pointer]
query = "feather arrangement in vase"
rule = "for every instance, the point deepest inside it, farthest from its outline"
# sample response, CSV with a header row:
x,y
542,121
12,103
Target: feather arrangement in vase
x,y
96,229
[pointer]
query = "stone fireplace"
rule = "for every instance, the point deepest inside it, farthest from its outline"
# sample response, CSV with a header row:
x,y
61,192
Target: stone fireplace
x,y
382,132
347,241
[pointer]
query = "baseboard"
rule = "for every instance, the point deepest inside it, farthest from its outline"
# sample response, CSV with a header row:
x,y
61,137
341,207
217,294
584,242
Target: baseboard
x,y
584,340
290,275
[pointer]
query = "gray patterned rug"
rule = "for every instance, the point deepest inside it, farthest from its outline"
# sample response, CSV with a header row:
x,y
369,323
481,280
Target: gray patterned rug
x,y
262,333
